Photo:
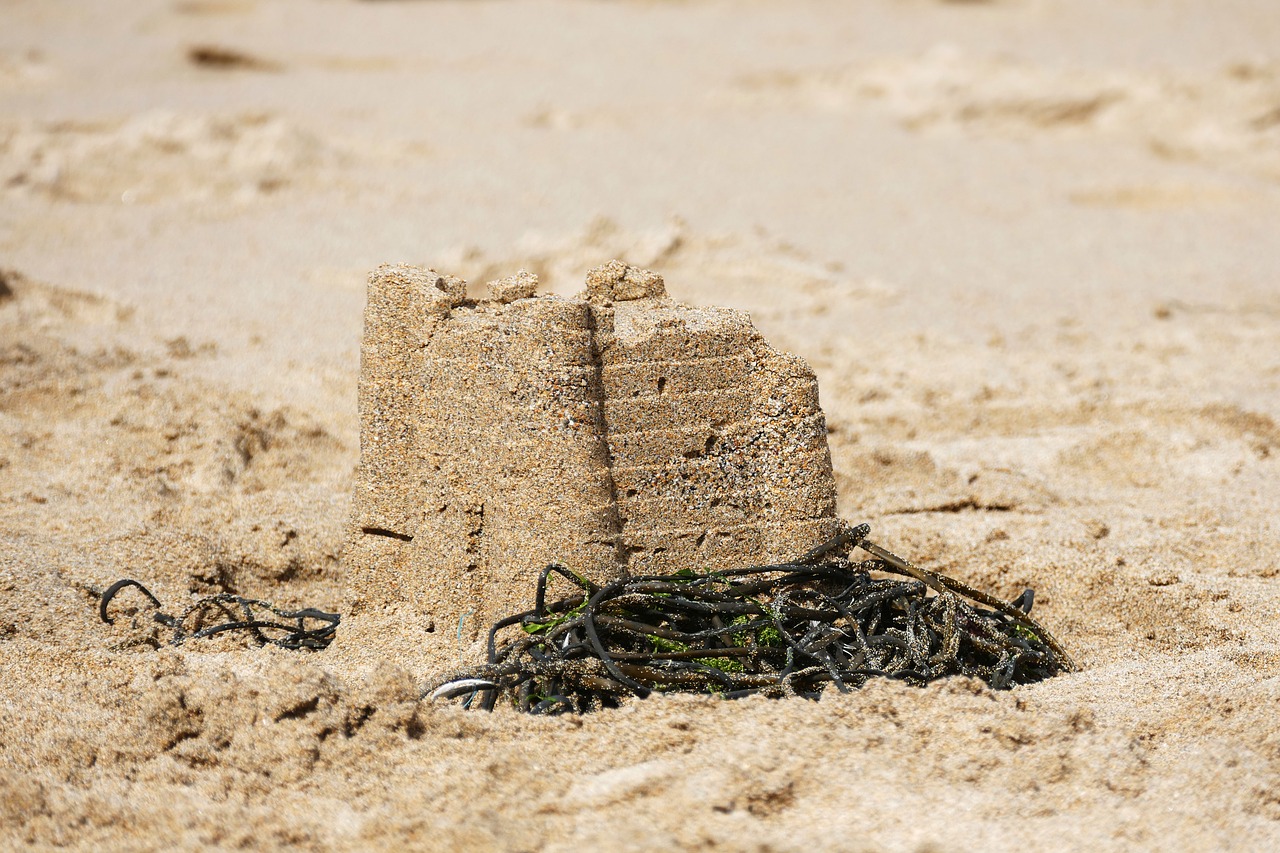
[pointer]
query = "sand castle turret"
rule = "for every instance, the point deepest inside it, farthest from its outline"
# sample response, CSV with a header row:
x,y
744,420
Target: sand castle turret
x,y
618,433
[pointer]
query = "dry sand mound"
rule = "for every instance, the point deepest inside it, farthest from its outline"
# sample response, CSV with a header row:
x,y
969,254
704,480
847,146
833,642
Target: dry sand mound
x,y
158,156
1230,116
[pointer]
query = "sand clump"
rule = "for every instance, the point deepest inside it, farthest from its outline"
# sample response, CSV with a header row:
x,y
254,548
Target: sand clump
x,y
522,285
617,433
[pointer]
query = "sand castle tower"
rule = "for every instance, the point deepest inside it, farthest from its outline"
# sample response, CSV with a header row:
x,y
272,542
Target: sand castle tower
x,y
618,433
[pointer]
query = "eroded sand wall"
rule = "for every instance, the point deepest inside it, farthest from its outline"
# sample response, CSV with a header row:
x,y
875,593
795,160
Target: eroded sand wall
x,y
718,445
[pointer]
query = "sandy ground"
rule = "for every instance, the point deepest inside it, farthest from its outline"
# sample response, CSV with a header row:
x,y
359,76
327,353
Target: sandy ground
x,y
1031,248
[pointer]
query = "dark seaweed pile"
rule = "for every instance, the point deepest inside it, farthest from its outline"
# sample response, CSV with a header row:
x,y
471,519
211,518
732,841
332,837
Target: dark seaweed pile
x,y
789,629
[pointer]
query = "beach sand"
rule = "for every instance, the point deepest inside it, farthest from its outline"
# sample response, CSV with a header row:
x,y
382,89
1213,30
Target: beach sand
x,y
1030,248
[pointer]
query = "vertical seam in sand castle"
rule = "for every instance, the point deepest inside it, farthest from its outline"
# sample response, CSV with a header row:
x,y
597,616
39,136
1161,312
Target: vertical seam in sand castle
x,y
621,555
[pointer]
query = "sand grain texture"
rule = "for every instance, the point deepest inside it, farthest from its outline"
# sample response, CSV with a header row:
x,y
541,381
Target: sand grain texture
x,y
1027,247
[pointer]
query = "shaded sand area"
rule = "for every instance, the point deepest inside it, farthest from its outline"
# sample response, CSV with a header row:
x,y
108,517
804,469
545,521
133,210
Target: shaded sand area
x,y
1030,248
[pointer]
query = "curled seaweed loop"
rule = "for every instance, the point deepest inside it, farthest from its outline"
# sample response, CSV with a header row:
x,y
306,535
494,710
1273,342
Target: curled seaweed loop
x,y
238,614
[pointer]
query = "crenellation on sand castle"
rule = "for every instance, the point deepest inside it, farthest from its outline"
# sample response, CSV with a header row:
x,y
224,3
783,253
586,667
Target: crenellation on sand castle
x,y
619,282
522,285
618,433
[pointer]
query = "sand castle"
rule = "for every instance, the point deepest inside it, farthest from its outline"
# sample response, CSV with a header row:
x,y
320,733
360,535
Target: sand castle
x,y
618,433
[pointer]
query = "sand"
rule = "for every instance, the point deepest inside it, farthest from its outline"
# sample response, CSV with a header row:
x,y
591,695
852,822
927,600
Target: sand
x,y
1029,248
